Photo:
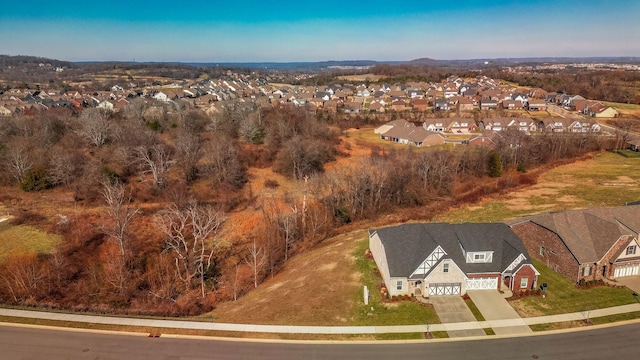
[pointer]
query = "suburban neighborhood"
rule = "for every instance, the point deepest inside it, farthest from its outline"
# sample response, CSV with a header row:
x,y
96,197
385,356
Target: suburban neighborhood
x,y
454,95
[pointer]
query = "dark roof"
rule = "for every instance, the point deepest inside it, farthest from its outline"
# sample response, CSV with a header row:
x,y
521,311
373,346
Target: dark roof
x,y
408,245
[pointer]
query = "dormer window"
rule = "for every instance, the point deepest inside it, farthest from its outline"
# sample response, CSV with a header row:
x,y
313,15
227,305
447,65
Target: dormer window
x,y
631,250
480,257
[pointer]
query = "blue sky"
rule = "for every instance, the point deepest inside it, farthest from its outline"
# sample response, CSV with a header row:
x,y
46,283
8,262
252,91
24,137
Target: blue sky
x,y
255,31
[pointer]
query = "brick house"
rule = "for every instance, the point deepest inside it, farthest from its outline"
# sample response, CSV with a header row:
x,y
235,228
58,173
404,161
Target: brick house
x,y
587,244
429,259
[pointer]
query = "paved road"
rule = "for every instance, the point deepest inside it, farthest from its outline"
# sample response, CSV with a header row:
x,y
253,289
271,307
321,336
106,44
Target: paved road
x,y
28,343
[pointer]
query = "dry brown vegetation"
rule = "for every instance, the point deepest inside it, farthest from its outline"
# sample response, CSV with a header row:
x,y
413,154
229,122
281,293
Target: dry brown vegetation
x,y
177,214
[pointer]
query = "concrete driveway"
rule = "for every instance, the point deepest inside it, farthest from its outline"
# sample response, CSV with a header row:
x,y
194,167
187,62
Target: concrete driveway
x,y
632,282
493,306
452,309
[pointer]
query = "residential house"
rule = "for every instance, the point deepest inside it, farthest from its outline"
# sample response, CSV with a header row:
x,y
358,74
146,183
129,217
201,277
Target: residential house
x,y
106,105
523,124
488,104
391,124
587,244
582,126
633,145
554,125
449,259
537,93
4,111
599,110
483,140
398,105
352,107
536,105
407,133
414,93
331,105
441,104
450,92
494,124
465,104
437,125
420,104
377,107
511,104
580,105
460,125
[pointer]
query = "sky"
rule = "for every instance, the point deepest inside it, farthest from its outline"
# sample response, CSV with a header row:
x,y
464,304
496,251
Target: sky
x,y
291,31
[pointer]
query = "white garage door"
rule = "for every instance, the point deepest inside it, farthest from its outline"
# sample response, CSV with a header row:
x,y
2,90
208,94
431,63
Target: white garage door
x,y
482,284
445,289
626,270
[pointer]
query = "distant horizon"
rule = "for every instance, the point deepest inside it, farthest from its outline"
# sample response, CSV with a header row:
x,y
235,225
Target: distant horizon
x,y
258,32
134,61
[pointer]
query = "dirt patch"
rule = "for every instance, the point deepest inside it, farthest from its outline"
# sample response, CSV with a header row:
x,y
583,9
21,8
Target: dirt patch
x,y
329,300
328,267
362,77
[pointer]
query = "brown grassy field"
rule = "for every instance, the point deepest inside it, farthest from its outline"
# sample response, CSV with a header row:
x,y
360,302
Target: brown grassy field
x,y
362,77
320,287
319,284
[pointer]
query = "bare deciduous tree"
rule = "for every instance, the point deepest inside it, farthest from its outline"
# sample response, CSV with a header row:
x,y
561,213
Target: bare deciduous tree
x,y
223,163
18,161
120,212
156,160
135,109
64,166
188,153
256,259
94,126
191,235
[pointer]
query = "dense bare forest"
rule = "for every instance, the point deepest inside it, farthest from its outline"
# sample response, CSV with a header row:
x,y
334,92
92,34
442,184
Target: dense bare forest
x,y
164,219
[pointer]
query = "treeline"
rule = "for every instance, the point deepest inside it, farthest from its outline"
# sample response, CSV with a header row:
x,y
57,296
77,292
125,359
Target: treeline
x,y
152,231
186,169
614,86
26,72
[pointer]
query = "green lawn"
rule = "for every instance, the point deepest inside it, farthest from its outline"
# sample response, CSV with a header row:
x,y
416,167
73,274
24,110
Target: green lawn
x,y
563,297
608,179
474,309
379,313
24,239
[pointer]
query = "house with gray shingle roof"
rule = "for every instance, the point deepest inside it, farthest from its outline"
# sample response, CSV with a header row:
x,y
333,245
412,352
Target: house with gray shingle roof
x,y
429,259
587,244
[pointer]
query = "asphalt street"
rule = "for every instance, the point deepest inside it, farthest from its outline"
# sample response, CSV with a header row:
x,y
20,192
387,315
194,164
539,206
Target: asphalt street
x,y
618,342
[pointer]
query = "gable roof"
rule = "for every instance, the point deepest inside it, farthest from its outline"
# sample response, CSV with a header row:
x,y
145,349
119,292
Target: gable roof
x,y
408,245
590,233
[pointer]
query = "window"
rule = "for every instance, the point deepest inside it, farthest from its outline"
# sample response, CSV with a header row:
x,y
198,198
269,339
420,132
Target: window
x,y
631,250
542,250
445,267
478,257
399,285
586,271
524,282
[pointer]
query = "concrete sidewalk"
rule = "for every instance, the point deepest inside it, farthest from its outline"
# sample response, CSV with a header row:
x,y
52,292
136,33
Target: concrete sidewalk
x,y
291,329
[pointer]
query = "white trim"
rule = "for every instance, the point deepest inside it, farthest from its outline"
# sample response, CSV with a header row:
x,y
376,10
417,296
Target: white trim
x,y
515,263
429,262
487,257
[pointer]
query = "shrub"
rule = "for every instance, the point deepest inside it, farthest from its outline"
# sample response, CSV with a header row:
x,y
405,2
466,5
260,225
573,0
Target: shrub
x,y
36,179
271,184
